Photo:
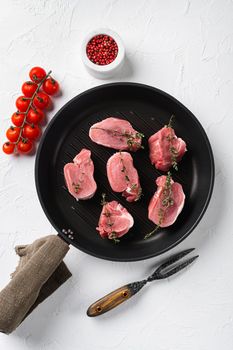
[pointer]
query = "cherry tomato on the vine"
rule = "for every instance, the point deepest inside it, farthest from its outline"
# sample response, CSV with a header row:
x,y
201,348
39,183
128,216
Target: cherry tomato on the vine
x,y
17,118
29,88
24,146
8,148
30,112
31,132
41,100
22,103
50,86
37,74
35,116
13,133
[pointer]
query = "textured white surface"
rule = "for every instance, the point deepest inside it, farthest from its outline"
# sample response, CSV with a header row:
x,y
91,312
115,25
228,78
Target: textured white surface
x,y
184,47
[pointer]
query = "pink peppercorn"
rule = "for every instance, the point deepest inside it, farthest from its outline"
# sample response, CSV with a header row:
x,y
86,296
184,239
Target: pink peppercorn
x,y
102,49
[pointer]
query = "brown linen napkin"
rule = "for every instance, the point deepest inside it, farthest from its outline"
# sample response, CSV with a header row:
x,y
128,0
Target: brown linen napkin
x,y
39,273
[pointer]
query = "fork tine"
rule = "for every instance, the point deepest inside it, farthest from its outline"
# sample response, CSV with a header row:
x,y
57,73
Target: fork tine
x,y
178,268
173,259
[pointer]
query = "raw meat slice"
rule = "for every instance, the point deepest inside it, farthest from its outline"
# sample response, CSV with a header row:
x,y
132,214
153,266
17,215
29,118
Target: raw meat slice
x,y
115,221
116,133
123,177
166,149
167,202
79,176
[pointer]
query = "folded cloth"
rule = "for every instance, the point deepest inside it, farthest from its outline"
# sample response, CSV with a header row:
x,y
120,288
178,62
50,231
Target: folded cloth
x,y
39,273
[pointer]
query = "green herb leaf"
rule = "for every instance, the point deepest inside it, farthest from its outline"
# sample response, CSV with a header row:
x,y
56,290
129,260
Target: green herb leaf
x,y
103,201
152,232
169,125
76,187
167,201
127,178
133,186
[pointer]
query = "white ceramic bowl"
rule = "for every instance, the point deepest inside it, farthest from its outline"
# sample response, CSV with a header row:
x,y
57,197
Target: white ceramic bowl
x,y
108,70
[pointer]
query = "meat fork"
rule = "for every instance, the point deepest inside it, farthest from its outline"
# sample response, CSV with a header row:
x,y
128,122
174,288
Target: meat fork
x,y
118,296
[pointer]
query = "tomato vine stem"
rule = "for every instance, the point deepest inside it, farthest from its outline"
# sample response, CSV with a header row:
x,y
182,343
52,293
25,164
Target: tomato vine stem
x,y
30,106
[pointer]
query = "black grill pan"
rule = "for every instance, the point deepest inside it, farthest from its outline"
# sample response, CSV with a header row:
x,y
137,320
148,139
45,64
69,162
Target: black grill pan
x,y
147,109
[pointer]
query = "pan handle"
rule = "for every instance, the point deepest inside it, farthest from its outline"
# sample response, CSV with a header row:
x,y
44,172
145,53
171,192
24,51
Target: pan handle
x,y
64,239
67,235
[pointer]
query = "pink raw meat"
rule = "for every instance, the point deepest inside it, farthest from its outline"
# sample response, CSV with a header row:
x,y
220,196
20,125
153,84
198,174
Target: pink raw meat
x,y
162,145
116,133
79,176
115,221
158,203
123,177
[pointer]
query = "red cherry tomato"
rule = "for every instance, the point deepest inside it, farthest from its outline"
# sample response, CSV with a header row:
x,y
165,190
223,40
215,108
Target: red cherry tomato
x,y
29,88
37,74
35,116
13,133
24,146
31,132
8,148
41,100
50,86
22,103
17,118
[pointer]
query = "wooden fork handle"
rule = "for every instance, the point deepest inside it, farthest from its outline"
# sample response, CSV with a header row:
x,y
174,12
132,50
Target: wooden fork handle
x,y
115,298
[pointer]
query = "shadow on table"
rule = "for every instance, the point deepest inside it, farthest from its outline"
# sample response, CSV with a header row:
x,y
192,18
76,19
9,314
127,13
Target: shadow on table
x,y
126,71
209,226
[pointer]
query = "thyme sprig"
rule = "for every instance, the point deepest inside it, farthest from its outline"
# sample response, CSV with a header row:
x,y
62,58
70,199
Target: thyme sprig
x,y
173,151
167,202
174,155
124,169
76,186
131,140
169,125
103,200
132,186
112,235
130,137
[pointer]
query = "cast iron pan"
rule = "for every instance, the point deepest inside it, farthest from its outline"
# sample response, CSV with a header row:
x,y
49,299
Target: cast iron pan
x,y
148,109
